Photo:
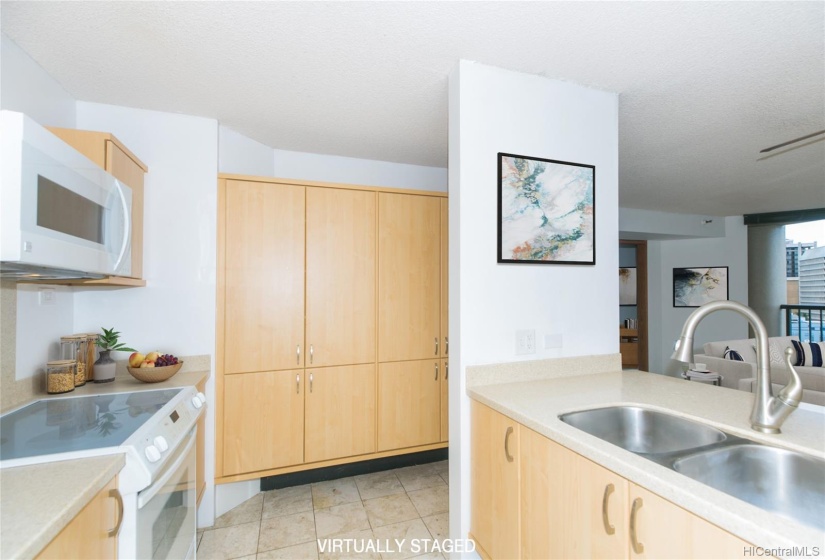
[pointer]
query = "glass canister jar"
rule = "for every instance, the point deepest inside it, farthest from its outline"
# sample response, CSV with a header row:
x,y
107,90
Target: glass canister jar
x,y
74,348
91,355
60,375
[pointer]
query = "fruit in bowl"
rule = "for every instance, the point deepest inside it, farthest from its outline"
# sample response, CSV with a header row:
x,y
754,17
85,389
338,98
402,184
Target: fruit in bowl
x,y
153,367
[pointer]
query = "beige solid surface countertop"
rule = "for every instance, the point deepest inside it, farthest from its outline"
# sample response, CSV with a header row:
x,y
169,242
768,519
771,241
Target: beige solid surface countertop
x,y
537,405
38,501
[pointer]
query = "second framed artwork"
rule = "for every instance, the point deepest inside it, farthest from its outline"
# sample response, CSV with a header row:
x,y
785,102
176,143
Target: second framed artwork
x,y
546,211
693,287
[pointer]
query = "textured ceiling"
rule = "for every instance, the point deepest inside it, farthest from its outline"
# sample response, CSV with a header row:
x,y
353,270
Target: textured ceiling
x,y
703,85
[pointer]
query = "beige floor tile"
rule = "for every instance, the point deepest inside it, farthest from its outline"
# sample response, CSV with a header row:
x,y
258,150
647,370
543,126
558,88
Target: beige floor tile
x,y
389,510
200,538
288,530
249,557
418,477
344,518
438,525
411,532
234,541
334,492
378,485
357,544
246,512
429,556
430,501
287,501
304,551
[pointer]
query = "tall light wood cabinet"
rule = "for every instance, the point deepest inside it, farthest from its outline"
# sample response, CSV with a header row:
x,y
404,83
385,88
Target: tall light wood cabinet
x,y
445,324
494,482
343,288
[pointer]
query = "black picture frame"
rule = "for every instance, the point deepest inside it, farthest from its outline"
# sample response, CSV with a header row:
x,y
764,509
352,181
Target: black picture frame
x,y
579,221
694,286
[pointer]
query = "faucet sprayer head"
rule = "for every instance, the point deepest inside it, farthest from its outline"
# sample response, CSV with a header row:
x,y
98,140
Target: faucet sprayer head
x,y
683,351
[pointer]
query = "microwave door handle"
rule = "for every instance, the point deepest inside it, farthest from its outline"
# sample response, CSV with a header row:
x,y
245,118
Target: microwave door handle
x,y
146,495
127,224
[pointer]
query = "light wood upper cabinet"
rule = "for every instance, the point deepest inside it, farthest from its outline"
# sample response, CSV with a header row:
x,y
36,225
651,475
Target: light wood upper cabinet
x,y
110,154
663,531
340,412
264,277
570,506
409,277
494,481
263,421
340,276
88,534
409,401
445,278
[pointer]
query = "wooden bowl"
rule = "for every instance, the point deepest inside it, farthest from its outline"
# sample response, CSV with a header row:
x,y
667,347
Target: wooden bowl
x,y
154,374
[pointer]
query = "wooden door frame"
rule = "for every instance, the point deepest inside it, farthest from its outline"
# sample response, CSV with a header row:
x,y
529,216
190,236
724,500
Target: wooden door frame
x,y
641,298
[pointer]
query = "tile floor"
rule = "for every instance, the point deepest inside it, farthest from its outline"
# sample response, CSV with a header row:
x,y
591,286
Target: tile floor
x,y
407,503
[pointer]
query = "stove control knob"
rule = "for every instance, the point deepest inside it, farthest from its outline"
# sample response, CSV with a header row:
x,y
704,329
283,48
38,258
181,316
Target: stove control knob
x,y
196,402
160,443
152,454
202,397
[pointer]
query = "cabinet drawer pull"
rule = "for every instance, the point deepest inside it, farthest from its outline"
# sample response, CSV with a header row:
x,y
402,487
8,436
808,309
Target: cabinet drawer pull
x,y
115,493
436,372
311,353
298,354
446,370
297,383
507,444
446,346
608,528
310,382
638,547
436,345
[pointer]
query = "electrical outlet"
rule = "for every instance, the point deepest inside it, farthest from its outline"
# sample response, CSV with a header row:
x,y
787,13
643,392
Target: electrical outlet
x,y
47,296
552,341
526,341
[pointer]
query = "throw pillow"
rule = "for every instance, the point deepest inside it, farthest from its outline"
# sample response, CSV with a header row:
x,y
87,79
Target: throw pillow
x,y
809,354
733,355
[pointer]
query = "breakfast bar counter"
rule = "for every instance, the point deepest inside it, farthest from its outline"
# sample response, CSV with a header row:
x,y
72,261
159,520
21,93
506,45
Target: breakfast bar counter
x,y
537,404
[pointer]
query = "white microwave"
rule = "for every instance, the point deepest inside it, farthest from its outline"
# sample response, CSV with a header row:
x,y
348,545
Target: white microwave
x,y
61,215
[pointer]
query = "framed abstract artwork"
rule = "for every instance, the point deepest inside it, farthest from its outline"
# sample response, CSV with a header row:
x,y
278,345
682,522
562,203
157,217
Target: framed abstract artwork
x,y
627,285
693,287
546,211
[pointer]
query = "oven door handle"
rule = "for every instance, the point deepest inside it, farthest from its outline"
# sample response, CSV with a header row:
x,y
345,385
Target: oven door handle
x,y
151,491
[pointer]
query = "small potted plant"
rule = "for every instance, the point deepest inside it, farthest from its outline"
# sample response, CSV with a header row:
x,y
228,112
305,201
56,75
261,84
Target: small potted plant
x,y
108,342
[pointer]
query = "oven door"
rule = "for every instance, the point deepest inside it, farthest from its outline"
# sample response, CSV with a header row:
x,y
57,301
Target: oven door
x,y
166,518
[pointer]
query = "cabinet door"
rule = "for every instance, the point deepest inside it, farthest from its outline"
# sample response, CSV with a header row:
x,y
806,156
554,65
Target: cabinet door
x,y
340,412
200,477
570,506
87,535
340,268
264,309
263,421
445,400
409,261
494,483
445,278
409,399
660,529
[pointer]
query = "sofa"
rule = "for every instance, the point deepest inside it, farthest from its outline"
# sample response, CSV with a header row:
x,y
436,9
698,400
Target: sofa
x,y
742,375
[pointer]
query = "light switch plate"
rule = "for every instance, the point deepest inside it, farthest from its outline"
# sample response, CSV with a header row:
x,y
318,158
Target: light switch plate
x,y
47,296
526,341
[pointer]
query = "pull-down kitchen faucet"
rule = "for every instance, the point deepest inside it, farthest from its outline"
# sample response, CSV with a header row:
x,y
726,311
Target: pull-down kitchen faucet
x,y
768,412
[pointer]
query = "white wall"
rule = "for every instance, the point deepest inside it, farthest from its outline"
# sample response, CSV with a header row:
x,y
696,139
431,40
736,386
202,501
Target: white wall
x,y
494,110
243,156
652,224
338,169
665,321
40,326
27,88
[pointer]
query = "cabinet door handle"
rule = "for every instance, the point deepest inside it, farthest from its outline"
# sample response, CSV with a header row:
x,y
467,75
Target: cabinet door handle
x,y
297,383
436,371
638,547
115,493
298,354
446,370
436,345
608,528
446,346
507,435
310,382
311,353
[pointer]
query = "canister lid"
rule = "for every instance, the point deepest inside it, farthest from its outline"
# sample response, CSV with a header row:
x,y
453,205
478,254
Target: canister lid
x,y
61,362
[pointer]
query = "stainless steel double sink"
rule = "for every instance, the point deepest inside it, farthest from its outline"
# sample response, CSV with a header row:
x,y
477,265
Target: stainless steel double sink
x,y
784,482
